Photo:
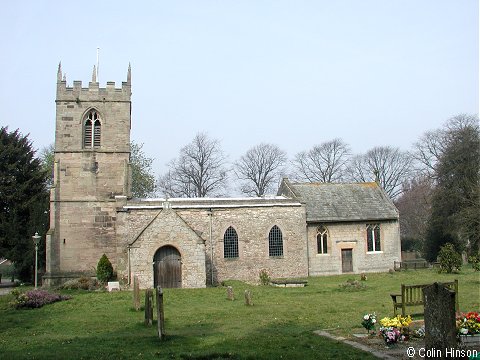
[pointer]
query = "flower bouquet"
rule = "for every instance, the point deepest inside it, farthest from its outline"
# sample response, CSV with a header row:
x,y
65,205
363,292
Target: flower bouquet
x,y
391,335
469,323
395,329
369,321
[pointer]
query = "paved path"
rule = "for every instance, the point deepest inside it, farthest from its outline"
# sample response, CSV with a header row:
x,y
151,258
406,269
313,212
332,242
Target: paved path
x,y
372,351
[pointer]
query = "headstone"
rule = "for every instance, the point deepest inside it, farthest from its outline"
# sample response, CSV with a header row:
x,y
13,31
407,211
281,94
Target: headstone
x,y
230,295
136,293
113,285
248,298
440,329
160,314
148,307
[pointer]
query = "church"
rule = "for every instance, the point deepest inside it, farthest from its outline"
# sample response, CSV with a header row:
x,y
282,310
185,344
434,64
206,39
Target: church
x,y
306,229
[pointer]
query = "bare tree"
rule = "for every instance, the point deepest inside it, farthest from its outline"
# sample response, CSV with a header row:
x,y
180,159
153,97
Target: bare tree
x,y
428,150
431,146
259,168
199,171
389,166
143,179
414,205
323,163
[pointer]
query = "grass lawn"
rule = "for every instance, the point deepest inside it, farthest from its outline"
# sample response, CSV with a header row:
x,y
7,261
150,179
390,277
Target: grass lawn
x,y
202,324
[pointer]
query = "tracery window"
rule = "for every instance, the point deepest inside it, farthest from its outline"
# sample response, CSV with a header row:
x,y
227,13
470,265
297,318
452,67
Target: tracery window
x,y
275,242
230,243
322,240
373,237
92,130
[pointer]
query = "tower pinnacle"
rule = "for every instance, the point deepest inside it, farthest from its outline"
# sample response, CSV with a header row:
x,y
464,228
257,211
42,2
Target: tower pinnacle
x,y
59,72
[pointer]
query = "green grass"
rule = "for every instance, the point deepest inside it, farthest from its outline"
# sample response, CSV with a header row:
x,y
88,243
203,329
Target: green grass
x,y
202,324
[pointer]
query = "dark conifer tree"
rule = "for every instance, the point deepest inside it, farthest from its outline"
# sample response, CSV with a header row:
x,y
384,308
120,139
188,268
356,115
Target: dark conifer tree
x,y
23,202
456,203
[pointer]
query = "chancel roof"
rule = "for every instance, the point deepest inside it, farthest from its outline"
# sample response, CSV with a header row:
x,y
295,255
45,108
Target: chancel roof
x,y
327,202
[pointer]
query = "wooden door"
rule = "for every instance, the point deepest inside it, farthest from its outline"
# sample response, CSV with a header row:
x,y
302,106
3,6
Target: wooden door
x,y
167,268
347,260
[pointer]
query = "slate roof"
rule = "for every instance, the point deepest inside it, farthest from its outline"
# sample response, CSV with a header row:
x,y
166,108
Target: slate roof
x,y
327,202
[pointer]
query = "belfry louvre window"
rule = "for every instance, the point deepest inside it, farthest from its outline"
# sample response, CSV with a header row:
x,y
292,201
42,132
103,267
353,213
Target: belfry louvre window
x,y
92,130
322,240
373,237
275,242
230,243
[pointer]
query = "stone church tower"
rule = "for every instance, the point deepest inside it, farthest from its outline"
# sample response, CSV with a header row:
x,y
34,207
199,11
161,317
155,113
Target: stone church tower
x,y
92,152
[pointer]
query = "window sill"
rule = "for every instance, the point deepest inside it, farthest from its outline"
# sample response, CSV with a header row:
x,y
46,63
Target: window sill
x,y
276,257
327,254
375,252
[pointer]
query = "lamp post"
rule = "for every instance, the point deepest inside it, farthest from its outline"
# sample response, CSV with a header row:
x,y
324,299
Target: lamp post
x,y
36,239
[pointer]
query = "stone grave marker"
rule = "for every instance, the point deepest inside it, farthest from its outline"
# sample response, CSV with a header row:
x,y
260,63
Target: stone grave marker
x,y
113,285
230,295
136,293
160,314
248,298
148,307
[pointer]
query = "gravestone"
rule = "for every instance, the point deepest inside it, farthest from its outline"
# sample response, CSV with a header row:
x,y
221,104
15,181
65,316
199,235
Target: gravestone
x,y
136,294
148,307
160,314
248,298
230,295
113,285
440,329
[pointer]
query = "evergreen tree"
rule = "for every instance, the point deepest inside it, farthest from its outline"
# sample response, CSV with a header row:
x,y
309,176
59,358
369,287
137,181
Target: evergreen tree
x,y
23,201
456,202
104,269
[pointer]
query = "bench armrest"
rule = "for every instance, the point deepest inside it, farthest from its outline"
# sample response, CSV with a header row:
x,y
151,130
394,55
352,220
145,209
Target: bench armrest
x,y
394,297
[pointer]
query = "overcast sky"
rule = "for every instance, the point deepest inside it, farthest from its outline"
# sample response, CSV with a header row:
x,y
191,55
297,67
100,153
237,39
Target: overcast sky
x,y
293,73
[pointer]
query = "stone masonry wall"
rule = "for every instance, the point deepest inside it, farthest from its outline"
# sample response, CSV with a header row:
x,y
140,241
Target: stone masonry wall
x,y
354,236
252,226
189,232
167,229
86,232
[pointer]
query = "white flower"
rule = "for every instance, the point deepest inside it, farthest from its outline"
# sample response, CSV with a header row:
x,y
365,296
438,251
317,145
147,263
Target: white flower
x,y
463,331
366,317
374,321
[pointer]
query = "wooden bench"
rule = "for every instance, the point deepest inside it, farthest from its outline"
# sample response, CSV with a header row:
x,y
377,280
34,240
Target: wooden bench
x,y
410,264
412,295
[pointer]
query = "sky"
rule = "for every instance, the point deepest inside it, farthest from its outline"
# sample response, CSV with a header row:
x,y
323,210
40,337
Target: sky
x,y
292,73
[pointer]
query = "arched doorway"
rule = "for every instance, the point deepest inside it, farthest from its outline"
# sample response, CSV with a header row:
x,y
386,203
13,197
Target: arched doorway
x,y
167,267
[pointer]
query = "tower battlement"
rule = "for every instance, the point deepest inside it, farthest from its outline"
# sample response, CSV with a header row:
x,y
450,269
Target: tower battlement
x,y
92,93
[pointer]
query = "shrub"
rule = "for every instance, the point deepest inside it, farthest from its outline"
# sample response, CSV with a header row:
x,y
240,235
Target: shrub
x,y
104,269
264,277
449,259
475,261
35,298
352,285
83,283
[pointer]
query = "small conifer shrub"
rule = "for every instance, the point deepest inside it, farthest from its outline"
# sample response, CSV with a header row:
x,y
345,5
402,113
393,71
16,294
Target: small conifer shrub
x,y
104,269
449,259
